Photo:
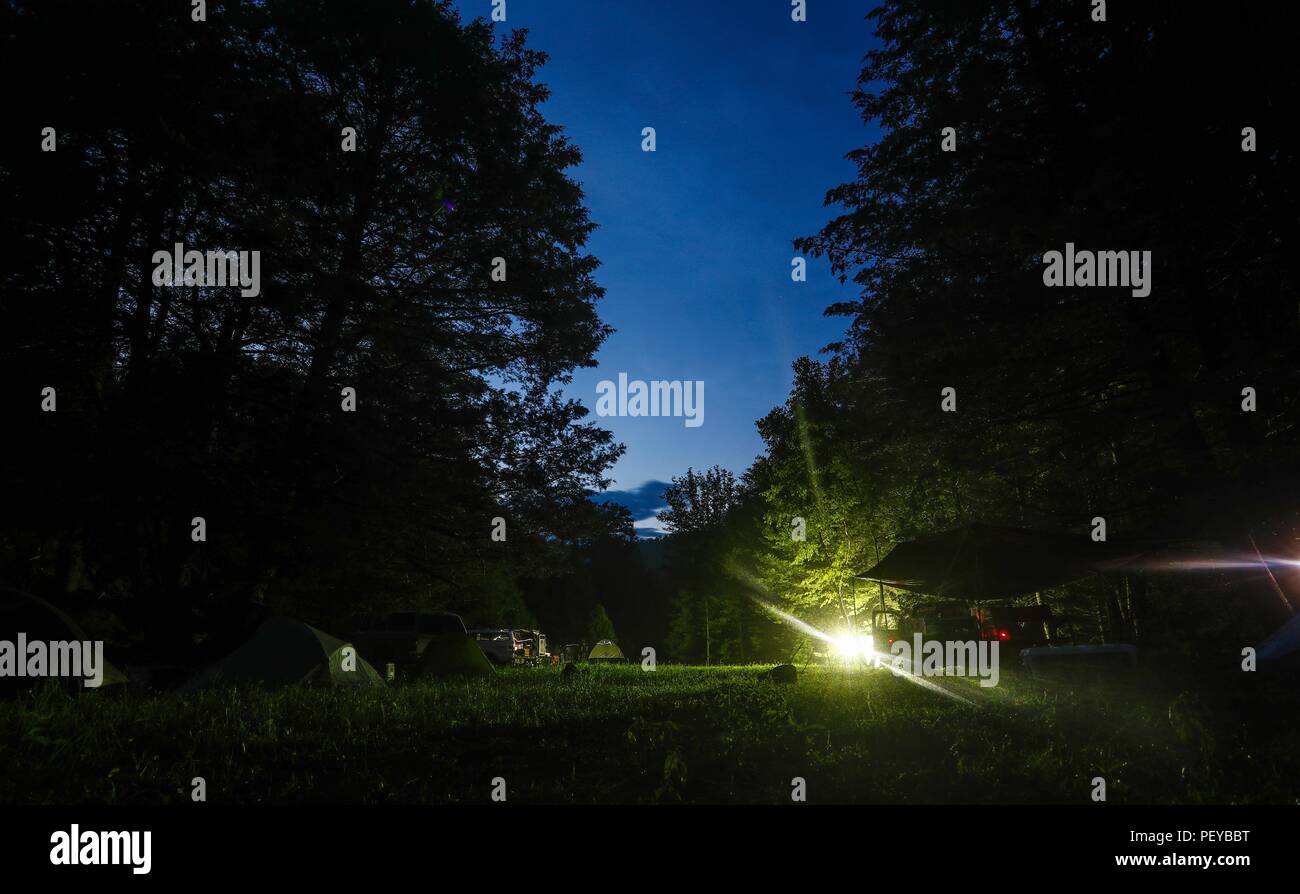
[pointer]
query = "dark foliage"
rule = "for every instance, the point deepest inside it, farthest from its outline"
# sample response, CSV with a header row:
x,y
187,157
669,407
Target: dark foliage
x,y
375,275
1071,402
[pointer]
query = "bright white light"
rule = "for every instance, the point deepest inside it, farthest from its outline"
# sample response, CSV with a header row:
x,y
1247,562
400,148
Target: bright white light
x,y
852,647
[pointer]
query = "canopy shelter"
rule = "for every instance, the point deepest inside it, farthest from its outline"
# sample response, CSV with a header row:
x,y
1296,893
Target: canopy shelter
x,y
979,561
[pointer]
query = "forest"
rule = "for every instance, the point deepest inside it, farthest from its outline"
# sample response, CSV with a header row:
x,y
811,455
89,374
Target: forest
x,y
183,461
347,439
1172,415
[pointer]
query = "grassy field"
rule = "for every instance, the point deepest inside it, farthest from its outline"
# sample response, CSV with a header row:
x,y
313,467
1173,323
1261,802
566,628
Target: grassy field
x,y
679,734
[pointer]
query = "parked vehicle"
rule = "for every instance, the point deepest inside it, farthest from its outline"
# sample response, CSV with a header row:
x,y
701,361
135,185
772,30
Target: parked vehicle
x,y
497,645
530,647
1042,641
1020,627
506,646
887,626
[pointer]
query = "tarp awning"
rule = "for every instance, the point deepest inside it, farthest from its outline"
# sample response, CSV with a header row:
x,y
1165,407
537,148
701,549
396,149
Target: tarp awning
x,y
979,561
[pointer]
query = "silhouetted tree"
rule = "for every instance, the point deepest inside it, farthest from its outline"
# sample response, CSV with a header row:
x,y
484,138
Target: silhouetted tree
x,y
376,275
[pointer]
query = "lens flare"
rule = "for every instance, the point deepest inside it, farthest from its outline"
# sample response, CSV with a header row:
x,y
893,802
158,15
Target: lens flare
x,y
860,646
1223,562
851,646
797,623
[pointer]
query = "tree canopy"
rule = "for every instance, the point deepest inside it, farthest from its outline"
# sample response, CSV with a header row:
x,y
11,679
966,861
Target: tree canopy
x,y
377,252
1066,403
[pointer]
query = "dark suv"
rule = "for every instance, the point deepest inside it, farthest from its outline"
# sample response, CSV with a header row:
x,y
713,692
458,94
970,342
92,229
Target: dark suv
x,y
1020,627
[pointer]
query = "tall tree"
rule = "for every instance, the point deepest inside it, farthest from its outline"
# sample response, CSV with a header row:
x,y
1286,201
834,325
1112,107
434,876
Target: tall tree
x,y
376,275
1127,135
1078,400
701,509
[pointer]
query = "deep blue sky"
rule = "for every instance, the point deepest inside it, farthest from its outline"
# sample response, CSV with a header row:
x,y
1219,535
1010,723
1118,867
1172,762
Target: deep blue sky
x,y
753,121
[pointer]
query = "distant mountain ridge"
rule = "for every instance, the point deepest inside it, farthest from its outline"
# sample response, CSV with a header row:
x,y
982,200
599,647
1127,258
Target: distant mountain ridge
x,y
643,502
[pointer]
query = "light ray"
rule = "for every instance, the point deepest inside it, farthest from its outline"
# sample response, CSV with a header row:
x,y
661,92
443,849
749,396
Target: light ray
x,y
869,656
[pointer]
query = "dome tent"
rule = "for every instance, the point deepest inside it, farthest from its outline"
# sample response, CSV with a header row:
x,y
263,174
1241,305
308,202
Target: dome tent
x,y
605,650
451,655
38,620
285,652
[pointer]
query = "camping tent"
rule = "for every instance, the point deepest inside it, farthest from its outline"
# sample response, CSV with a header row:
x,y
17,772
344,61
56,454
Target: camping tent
x,y
285,652
1282,642
40,621
978,561
398,638
451,655
605,650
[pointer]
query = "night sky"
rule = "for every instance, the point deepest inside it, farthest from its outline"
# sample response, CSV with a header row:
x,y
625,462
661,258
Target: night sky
x,y
753,120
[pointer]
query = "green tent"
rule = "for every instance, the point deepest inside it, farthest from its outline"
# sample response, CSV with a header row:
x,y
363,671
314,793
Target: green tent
x,y
40,621
605,650
451,655
285,652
